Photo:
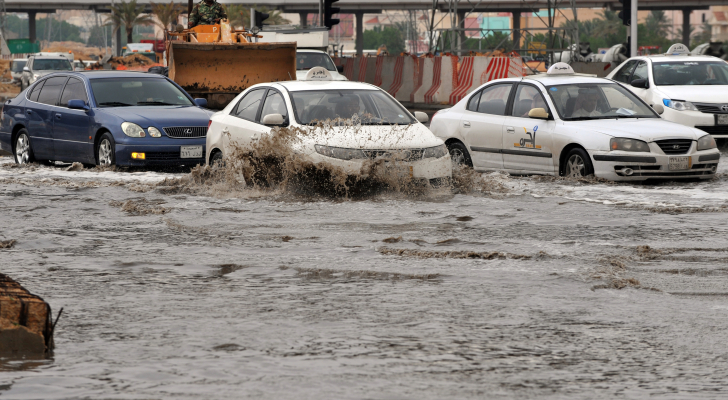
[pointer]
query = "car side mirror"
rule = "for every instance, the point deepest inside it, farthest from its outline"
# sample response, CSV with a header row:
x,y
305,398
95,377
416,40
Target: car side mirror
x,y
340,68
273,119
77,104
659,109
26,69
422,117
201,102
538,113
640,83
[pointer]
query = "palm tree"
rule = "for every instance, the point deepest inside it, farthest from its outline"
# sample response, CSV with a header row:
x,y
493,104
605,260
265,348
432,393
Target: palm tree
x,y
167,13
657,24
128,15
608,23
239,15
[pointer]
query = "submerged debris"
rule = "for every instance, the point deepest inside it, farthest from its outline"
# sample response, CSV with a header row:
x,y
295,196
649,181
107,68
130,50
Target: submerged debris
x,y
140,206
7,244
487,255
26,325
326,273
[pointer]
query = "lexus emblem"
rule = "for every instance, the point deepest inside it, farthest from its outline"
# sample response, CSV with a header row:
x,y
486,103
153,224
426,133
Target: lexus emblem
x,y
676,146
724,108
188,131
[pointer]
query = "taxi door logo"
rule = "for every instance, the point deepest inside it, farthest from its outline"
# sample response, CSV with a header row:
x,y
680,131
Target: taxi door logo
x,y
529,143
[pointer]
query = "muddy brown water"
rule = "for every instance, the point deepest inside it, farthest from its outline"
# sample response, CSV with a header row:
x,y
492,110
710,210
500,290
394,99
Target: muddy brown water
x,y
531,288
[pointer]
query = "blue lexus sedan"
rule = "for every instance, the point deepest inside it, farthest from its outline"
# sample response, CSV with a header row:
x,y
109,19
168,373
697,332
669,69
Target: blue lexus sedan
x,y
105,118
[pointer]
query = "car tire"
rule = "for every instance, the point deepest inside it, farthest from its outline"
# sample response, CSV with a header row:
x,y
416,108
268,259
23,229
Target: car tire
x,y
577,164
23,152
216,160
106,151
459,154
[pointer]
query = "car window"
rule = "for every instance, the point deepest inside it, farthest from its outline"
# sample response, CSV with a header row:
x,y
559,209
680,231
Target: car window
x,y
581,101
18,65
132,91
473,102
36,91
690,73
370,107
387,112
60,64
493,99
74,90
248,106
625,71
306,61
274,104
640,72
527,98
51,90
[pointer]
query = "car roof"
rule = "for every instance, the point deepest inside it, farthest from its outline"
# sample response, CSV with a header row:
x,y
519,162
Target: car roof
x,y
309,51
50,58
668,58
295,86
101,74
548,80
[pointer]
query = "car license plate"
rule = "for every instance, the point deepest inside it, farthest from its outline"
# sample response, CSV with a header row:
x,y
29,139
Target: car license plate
x,y
722,119
400,171
190,152
677,163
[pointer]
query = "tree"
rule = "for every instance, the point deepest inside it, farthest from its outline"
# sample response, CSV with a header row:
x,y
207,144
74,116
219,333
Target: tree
x,y
704,36
389,36
96,36
239,15
167,14
128,15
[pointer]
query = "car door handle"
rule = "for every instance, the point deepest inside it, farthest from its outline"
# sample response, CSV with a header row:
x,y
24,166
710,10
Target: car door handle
x,y
28,112
466,124
510,129
58,116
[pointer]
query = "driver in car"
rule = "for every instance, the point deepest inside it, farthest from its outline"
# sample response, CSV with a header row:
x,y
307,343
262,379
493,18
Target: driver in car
x,y
348,107
586,104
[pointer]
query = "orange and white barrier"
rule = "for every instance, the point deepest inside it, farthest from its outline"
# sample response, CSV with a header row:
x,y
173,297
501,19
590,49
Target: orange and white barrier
x,y
439,78
349,68
403,77
420,76
386,72
378,70
475,71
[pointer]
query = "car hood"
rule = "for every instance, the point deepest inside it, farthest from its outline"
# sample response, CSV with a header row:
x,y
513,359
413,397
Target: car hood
x,y
162,116
695,93
647,129
415,136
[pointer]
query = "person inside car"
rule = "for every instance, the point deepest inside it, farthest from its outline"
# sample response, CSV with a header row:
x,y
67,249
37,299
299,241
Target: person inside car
x,y
586,104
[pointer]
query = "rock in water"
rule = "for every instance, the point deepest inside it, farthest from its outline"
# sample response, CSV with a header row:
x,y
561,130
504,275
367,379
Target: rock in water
x,y
26,326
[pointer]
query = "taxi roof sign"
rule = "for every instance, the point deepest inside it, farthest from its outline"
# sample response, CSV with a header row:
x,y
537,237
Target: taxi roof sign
x,y
678,49
560,68
318,74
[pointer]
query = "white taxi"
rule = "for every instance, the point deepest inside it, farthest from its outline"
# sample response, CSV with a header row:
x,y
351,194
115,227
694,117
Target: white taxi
x,y
307,59
344,124
691,87
561,123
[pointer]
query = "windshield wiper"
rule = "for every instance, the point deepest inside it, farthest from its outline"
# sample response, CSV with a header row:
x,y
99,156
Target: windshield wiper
x,y
114,104
161,103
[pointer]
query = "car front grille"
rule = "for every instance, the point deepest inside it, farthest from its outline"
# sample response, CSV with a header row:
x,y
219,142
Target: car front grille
x,y
656,171
711,108
399,155
675,146
715,129
185,132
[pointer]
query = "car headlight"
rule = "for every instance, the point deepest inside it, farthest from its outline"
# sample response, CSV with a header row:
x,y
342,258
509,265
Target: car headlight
x,y
340,153
435,152
132,130
680,105
706,142
154,132
625,144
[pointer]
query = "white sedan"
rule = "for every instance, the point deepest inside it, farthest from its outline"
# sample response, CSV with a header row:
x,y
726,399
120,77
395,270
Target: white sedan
x,y
365,124
691,87
561,123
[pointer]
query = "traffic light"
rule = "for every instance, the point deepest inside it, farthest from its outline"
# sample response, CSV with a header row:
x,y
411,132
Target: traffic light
x,y
258,18
328,12
626,14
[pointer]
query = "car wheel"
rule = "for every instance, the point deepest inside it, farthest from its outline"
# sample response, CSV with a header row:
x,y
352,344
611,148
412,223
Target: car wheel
x,y
216,160
459,154
23,151
578,164
105,151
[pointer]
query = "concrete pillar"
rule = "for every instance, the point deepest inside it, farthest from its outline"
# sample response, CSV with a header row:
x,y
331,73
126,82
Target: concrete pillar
x,y
304,18
31,26
359,33
461,35
516,27
686,26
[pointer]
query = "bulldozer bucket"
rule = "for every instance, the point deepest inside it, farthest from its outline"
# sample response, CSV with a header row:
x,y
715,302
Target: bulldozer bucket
x,y
220,71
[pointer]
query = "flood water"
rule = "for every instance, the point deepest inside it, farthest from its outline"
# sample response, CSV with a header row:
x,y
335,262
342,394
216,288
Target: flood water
x,y
535,288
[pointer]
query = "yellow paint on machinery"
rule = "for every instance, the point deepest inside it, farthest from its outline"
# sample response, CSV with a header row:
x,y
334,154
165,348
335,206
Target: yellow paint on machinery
x,y
217,63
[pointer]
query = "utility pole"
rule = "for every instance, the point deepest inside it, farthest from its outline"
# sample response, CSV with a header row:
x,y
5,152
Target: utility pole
x,y
633,30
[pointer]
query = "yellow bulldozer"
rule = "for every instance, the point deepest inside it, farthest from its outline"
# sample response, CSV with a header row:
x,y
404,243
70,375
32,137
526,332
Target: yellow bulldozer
x,y
217,62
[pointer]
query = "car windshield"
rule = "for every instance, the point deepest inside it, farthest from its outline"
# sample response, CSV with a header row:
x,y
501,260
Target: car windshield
x,y
124,92
58,64
690,73
306,61
18,65
371,107
597,101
